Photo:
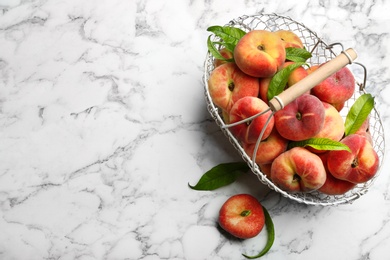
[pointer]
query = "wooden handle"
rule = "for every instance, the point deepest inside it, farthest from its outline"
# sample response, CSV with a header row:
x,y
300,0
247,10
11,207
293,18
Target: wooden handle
x,y
311,80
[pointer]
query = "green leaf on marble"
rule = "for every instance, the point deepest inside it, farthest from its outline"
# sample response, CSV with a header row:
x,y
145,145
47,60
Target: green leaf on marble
x,y
270,236
220,175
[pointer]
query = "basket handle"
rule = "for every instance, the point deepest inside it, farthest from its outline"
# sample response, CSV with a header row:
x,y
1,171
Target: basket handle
x,y
311,80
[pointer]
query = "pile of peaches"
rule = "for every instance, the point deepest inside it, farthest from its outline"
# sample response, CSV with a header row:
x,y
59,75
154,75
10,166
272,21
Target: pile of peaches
x,y
239,86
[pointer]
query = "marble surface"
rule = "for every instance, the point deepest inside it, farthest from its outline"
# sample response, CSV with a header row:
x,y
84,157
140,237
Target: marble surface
x,y
103,124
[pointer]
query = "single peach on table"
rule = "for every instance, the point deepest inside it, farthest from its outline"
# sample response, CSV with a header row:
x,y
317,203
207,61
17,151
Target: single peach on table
x,y
242,216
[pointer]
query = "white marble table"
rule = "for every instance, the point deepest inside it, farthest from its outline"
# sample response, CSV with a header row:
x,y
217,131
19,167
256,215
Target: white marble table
x,y
103,123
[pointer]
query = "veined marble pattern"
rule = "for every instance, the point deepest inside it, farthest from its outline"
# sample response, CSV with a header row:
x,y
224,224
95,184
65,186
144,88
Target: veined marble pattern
x,y
103,123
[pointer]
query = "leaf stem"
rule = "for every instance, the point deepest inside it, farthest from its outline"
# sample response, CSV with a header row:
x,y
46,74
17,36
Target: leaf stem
x,y
245,213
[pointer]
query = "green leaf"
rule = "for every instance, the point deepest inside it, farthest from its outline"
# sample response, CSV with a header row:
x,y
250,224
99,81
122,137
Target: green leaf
x,y
279,80
270,236
229,46
297,54
320,144
235,33
227,34
358,113
229,37
220,175
213,50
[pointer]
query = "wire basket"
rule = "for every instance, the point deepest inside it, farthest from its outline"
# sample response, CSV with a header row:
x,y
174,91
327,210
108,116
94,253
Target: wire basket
x,y
321,52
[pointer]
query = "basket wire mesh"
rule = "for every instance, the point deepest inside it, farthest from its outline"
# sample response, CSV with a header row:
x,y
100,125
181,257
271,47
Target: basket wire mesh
x,y
321,52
